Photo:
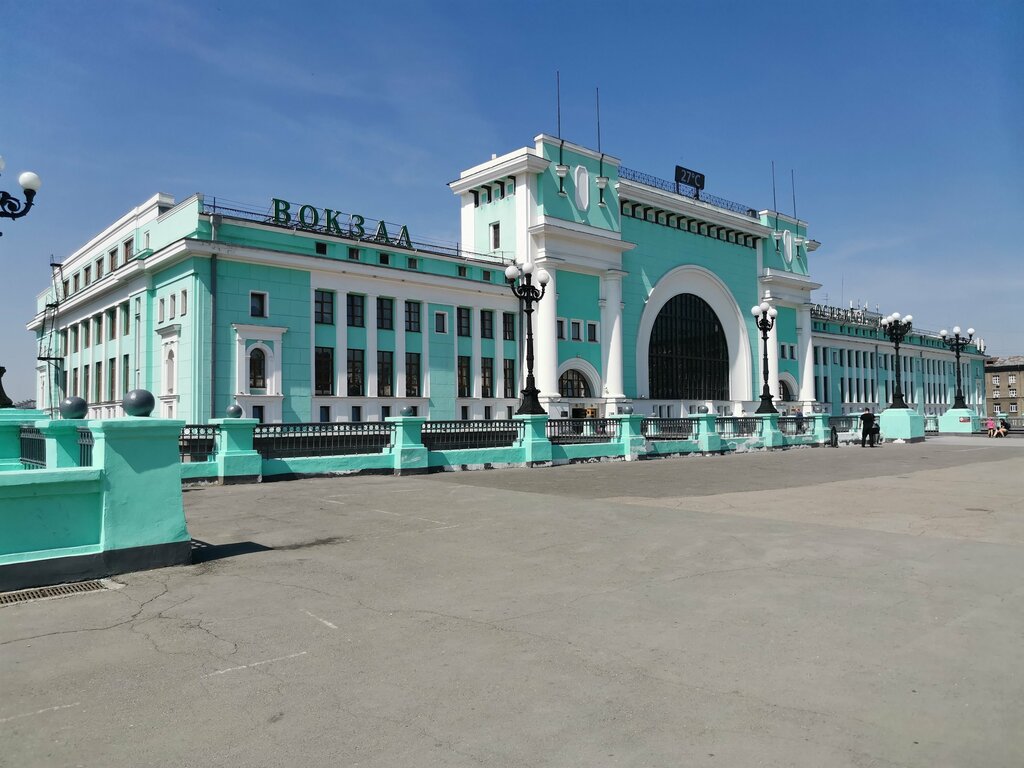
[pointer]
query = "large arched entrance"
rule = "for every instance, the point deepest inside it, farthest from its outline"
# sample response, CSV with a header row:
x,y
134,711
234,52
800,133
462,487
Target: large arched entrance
x,y
688,354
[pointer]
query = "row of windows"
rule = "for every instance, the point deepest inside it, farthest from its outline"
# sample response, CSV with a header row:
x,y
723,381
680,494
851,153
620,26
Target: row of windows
x,y
91,330
1010,379
496,190
324,384
576,330
97,383
94,272
175,308
855,358
996,394
865,390
327,413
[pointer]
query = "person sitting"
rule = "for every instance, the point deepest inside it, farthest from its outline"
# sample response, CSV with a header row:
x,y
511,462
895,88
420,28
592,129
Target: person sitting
x,y
990,425
1004,428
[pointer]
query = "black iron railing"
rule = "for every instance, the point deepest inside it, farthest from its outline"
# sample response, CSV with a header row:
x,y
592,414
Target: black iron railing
x,y
198,442
282,441
794,425
33,448
458,435
842,423
85,443
668,429
737,426
686,191
571,431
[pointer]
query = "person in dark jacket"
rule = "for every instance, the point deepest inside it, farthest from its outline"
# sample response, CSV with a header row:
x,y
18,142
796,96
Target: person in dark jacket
x,y
867,432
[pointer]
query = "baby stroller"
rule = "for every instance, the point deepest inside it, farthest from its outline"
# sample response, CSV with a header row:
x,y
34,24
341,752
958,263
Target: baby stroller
x,y
876,433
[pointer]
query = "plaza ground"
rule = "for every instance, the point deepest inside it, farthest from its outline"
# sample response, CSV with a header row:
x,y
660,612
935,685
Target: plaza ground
x,y
810,607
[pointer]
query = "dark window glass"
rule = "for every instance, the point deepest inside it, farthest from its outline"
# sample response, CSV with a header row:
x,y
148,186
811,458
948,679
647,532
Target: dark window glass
x,y
257,369
440,322
325,413
463,321
464,378
323,307
257,304
573,384
508,326
412,316
353,253
357,413
385,313
591,331
509,367
356,371
385,259
688,355
356,305
258,413
412,374
324,364
385,374
487,377
486,324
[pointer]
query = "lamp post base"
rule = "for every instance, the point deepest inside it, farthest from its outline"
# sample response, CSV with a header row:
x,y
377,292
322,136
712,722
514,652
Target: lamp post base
x,y
530,405
902,424
766,405
959,421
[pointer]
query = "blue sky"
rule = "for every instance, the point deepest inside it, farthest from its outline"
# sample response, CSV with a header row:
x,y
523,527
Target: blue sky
x,y
903,123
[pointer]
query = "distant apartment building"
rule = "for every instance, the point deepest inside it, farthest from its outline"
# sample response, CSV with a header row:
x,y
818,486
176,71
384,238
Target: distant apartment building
x,y
1004,385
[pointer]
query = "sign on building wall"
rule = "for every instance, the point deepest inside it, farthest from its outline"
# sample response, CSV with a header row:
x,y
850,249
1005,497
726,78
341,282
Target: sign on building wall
x,y
333,222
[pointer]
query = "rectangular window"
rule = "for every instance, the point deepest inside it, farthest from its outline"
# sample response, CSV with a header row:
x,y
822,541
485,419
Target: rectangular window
x,y
577,330
508,326
258,413
126,251
353,254
87,272
1011,379
99,268
320,248
413,262
98,394
412,374
85,382
324,371
174,304
385,412
357,413
487,413
356,306
385,259
495,236
257,304
67,288
509,411
126,369
463,272
509,370
85,335
385,313
440,322
323,307
385,373
325,414
112,259
356,372
1013,407
74,382
486,324
97,335
487,377
412,316
184,303
816,356
126,324
111,324
485,275
76,283
160,311
1013,391
465,382
560,329
111,379
463,321
465,413
64,342
591,331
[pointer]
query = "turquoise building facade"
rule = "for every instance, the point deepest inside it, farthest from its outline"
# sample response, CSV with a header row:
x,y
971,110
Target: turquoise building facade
x,y
299,312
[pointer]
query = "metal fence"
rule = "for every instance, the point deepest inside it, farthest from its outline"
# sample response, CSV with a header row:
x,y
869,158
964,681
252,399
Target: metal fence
x,y
571,431
33,448
459,435
282,441
198,442
843,423
794,425
85,443
686,190
667,429
737,426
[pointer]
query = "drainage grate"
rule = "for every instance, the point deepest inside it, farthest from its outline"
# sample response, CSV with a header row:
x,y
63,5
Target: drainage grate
x,y
43,593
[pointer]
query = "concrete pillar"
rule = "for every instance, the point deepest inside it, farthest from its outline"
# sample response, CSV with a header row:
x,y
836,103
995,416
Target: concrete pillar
x,y
61,436
611,335
536,446
371,347
237,462
545,340
806,354
11,421
631,435
773,362
707,436
410,455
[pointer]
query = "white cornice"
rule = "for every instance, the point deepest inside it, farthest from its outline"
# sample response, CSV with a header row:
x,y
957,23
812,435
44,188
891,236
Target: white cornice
x,y
547,138
788,279
687,206
148,211
580,233
784,217
523,160
266,332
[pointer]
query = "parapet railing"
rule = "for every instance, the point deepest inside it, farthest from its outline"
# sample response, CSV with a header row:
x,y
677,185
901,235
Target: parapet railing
x,y
667,429
737,426
843,423
285,441
686,191
459,435
793,425
33,448
85,444
574,431
198,442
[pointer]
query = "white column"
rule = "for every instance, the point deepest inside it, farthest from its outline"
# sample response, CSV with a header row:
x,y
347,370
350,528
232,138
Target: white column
x,y
545,339
611,335
370,316
806,347
399,326
773,362
476,366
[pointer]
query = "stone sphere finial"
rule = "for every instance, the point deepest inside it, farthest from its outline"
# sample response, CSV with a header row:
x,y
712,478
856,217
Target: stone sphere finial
x,y
139,402
406,411
702,409
627,409
73,408
234,411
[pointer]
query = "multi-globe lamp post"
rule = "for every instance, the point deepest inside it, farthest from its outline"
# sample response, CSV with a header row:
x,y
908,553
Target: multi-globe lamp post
x,y
958,344
764,317
520,280
896,327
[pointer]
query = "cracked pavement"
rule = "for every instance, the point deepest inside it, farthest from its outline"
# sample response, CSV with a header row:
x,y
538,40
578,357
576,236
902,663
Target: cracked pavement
x,y
817,607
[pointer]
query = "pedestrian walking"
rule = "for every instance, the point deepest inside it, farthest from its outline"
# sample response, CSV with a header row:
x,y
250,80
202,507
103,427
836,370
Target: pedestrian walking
x,y
991,427
867,423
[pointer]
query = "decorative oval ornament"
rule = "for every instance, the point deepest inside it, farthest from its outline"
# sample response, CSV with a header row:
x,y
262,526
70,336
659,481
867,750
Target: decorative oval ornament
x,y
139,402
787,246
581,179
234,411
73,408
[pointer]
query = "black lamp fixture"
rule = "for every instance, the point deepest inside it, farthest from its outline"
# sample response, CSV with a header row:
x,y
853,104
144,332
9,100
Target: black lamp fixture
x,y
958,344
764,317
10,206
520,280
896,328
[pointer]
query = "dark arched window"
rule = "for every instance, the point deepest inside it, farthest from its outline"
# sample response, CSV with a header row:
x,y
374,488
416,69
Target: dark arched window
x,y
688,356
573,384
785,392
257,369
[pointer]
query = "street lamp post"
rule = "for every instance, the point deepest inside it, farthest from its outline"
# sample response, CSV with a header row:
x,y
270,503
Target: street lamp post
x,y
897,329
10,206
764,318
958,344
520,280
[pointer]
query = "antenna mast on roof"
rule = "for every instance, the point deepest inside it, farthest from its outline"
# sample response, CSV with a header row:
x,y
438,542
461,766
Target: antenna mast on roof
x,y
558,101
775,208
792,181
